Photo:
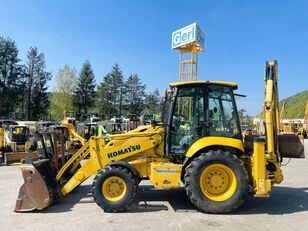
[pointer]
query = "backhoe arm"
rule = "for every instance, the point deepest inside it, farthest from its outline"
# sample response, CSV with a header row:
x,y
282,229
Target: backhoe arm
x,y
271,110
266,157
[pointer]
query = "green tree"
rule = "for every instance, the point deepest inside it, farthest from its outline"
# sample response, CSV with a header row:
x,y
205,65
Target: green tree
x,y
84,94
62,95
153,103
104,98
134,94
116,83
110,94
37,95
12,76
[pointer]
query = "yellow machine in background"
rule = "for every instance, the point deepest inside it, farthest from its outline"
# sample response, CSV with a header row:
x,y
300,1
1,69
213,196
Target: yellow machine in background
x,y
15,144
303,130
293,126
287,127
284,127
205,151
2,135
69,121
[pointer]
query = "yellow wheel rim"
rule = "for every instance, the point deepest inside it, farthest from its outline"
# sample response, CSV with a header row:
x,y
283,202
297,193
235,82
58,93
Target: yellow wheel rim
x,y
218,182
114,188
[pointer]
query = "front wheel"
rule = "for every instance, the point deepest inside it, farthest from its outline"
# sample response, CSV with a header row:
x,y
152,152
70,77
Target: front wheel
x,y
114,188
216,182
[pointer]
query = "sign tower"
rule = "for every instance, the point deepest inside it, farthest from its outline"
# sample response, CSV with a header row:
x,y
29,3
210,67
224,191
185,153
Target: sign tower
x,y
189,41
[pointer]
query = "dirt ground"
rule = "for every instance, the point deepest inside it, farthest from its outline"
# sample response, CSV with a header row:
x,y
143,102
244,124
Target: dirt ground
x,y
286,209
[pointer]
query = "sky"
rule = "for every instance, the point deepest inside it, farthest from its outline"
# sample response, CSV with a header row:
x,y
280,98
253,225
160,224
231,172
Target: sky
x,y
239,37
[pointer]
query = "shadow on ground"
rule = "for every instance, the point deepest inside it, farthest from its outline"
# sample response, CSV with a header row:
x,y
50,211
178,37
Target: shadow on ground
x,y
283,200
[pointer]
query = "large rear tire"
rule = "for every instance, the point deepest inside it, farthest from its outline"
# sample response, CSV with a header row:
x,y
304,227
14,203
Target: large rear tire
x,y
114,189
216,182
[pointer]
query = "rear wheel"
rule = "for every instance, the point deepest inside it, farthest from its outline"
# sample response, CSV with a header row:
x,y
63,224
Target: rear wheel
x,y
114,188
216,182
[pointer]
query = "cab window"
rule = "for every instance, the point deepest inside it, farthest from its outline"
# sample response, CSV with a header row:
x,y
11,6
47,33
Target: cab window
x,y
223,118
188,119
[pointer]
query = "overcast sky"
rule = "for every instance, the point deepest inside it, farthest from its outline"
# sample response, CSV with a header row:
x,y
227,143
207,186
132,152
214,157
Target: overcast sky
x,y
239,35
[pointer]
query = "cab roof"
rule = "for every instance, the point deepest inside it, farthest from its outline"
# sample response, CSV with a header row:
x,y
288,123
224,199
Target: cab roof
x,y
204,82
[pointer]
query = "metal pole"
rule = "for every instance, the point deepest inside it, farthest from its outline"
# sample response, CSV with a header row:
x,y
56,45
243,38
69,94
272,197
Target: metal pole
x,y
55,155
180,67
62,148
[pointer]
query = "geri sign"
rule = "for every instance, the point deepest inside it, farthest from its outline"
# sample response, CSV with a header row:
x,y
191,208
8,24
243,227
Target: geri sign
x,y
186,35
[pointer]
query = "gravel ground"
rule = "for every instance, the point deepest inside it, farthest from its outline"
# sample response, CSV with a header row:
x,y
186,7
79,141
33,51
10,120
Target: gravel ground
x,y
286,209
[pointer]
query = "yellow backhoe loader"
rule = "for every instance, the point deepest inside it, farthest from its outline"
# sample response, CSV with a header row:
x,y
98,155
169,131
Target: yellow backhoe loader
x,y
199,144
15,144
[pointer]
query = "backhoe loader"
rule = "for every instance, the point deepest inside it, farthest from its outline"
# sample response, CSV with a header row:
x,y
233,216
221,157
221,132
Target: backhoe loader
x,y
15,144
199,144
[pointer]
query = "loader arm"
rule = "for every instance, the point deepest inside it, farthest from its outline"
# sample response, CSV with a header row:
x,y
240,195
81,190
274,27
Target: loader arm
x,y
121,147
146,141
100,157
75,136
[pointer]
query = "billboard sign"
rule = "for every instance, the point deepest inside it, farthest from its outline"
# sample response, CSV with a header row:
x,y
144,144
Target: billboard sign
x,y
186,35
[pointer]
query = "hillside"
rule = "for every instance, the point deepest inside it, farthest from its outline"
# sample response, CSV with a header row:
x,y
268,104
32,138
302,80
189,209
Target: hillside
x,y
296,104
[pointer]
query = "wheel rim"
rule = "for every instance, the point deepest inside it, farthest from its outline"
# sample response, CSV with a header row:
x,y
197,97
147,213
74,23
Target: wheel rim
x,y
114,188
218,182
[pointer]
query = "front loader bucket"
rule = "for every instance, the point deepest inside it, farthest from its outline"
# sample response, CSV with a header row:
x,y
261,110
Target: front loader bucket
x,y
39,188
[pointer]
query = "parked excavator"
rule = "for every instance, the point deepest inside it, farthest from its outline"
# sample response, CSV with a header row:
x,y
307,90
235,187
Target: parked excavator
x,y
198,144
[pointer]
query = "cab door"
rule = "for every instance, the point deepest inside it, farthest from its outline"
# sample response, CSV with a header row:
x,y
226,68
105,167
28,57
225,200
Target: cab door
x,y
187,122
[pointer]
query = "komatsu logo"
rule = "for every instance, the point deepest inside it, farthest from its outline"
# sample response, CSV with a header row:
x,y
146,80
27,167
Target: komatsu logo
x,y
124,151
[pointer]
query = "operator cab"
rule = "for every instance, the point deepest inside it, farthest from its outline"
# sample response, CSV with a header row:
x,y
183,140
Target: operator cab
x,y
69,118
86,130
200,109
19,134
